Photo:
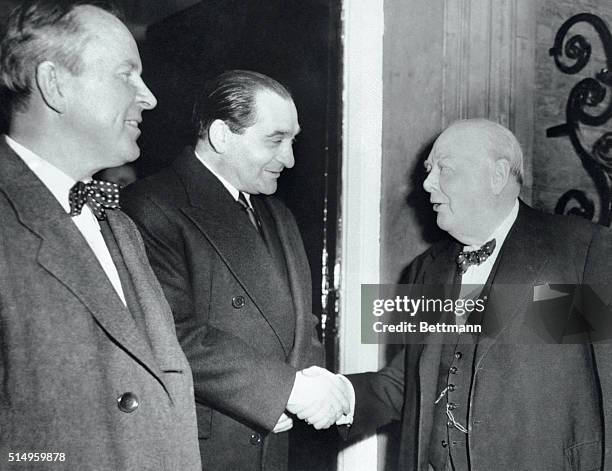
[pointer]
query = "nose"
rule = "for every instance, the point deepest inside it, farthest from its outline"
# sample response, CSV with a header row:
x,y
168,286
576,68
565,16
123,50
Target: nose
x,y
431,181
145,97
286,157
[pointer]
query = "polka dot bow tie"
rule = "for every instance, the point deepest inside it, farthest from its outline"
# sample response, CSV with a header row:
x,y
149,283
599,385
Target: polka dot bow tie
x,y
474,257
97,194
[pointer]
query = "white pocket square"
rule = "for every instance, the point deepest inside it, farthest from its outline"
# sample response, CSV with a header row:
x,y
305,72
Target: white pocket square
x,y
545,292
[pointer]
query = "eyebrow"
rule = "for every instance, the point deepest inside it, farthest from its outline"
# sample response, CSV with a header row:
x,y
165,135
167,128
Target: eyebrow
x,y
284,133
131,64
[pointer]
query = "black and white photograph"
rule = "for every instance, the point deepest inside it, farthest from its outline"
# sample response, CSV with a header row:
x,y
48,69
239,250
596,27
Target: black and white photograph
x,y
306,235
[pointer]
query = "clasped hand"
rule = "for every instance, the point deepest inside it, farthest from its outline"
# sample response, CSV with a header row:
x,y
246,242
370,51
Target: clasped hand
x,y
319,397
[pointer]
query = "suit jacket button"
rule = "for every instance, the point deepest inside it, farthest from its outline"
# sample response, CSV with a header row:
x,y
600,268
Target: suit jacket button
x,y
128,402
255,439
238,302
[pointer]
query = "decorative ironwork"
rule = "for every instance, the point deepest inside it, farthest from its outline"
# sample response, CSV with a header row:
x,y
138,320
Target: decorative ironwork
x,y
584,107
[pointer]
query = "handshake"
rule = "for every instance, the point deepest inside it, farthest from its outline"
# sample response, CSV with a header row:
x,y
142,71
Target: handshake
x,y
319,397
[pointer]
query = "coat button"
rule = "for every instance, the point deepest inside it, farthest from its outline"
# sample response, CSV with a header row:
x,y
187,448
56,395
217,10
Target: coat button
x,y
458,355
451,387
444,443
452,406
238,302
255,439
453,370
128,402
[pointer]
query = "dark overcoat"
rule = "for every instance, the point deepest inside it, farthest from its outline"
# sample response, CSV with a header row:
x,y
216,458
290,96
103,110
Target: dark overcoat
x,y
244,326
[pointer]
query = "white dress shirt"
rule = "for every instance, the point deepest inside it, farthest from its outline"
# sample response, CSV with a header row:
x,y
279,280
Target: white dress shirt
x,y
59,184
478,274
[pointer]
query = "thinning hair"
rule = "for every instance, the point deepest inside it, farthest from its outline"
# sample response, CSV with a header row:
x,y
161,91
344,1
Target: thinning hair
x,y
230,97
38,31
499,142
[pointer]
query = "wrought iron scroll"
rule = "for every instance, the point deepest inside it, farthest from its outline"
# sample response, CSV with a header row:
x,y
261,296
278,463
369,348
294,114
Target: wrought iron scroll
x,y
584,97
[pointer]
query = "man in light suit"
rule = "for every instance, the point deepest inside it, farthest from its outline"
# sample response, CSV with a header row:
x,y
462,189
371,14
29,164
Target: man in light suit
x,y
508,398
232,264
92,374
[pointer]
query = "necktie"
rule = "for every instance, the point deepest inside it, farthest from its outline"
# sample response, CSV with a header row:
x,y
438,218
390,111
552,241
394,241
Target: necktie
x,y
97,194
474,257
250,212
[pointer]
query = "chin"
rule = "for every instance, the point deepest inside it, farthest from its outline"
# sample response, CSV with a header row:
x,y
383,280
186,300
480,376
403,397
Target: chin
x,y
127,157
443,222
268,189
133,154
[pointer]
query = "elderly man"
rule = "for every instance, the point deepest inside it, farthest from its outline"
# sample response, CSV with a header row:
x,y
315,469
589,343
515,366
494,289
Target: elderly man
x,y
507,398
232,264
93,376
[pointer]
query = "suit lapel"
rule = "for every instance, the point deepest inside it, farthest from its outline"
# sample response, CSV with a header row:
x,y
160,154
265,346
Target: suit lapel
x,y
156,312
82,274
300,289
443,269
220,219
511,282
66,255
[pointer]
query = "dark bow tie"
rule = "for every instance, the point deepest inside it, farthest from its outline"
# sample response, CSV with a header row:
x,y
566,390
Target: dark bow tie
x,y
97,194
474,257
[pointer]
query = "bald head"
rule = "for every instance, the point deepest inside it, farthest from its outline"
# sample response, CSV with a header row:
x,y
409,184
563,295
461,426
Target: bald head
x,y
475,173
496,141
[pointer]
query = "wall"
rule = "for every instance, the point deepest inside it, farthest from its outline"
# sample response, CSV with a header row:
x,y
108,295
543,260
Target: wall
x,y
556,166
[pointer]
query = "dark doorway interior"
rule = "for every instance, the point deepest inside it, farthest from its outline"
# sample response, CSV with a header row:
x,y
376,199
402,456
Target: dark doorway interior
x,y
297,43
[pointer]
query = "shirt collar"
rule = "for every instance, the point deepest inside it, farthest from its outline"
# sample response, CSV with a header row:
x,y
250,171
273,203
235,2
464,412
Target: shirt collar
x,y
502,230
58,183
231,188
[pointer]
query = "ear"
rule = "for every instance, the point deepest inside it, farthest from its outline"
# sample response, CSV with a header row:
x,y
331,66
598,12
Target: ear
x,y
500,175
219,136
49,85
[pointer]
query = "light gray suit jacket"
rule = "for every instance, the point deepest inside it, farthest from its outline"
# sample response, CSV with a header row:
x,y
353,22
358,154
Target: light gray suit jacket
x,y
69,348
